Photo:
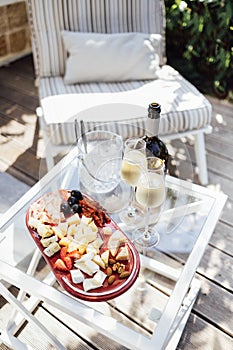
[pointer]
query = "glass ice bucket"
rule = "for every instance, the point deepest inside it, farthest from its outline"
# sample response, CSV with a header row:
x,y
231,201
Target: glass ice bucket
x,y
99,160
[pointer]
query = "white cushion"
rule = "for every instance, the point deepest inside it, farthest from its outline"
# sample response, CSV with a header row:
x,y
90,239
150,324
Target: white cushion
x,y
110,57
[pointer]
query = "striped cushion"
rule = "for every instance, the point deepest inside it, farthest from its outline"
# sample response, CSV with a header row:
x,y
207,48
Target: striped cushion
x,y
184,108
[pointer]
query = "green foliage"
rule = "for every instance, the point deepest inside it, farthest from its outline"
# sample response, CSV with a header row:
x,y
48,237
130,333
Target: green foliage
x,y
200,34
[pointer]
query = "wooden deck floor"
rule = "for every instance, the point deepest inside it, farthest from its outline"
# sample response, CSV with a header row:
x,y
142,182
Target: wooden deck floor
x,y
210,326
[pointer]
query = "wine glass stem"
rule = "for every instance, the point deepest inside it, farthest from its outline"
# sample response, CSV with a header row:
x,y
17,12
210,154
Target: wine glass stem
x,y
131,208
146,233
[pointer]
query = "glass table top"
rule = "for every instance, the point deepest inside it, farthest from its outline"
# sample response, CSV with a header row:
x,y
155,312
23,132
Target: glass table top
x,y
151,306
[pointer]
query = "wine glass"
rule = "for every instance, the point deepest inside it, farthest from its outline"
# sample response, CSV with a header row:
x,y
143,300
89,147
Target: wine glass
x,y
150,193
133,163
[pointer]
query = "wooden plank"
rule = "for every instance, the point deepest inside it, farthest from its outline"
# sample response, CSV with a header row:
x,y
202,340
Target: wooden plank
x,y
200,335
100,342
139,304
18,97
24,67
12,79
4,347
221,167
219,146
132,309
216,160
27,135
11,190
222,238
76,332
221,183
214,304
220,177
33,336
226,216
13,152
217,266
222,112
13,111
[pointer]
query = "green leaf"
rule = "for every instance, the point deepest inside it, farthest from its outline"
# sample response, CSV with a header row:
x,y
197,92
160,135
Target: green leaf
x,y
201,24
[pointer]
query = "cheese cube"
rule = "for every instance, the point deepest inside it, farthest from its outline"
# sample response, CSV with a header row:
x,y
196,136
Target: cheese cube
x,y
92,266
82,248
33,223
123,254
60,230
74,219
85,220
93,226
65,241
99,278
47,240
91,249
97,243
115,240
95,282
105,257
97,259
63,226
44,230
42,217
52,249
81,266
89,267
72,230
86,257
89,284
72,246
89,234
79,233
77,276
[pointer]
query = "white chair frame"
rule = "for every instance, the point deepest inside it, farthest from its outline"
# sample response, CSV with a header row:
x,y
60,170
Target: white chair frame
x,y
188,113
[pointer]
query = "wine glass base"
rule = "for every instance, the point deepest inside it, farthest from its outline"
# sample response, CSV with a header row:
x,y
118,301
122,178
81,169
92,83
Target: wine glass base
x,y
142,241
132,217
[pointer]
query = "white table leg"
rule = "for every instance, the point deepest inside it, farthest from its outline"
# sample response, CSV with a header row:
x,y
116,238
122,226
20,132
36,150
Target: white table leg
x,y
183,315
11,341
28,316
30,271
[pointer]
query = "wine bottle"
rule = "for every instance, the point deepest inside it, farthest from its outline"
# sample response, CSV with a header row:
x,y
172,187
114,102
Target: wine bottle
x,y
155,146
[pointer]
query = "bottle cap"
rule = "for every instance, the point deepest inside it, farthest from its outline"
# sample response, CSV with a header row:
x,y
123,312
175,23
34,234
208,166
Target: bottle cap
x,y
154,110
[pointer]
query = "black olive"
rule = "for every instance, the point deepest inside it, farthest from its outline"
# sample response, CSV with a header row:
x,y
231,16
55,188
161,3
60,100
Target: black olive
x,y
76,208
72,200
77,194
65,208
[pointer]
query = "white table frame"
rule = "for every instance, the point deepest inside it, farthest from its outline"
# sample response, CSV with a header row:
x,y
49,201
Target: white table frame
x,y
177,310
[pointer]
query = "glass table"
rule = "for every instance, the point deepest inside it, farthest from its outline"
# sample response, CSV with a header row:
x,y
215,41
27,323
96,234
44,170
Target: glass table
x,y
153,312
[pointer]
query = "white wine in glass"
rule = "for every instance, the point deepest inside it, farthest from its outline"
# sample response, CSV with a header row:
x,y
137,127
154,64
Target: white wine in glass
x,y
133,163
150,194
150,191
131,167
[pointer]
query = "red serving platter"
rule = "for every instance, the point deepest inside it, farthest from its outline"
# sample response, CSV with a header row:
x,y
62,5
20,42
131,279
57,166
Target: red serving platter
x,y
106,291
